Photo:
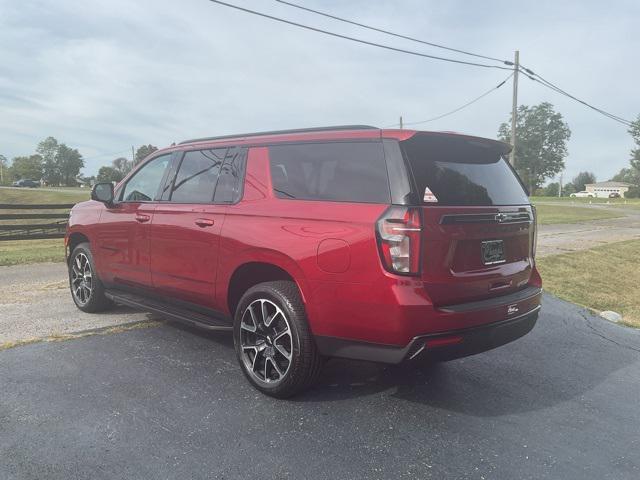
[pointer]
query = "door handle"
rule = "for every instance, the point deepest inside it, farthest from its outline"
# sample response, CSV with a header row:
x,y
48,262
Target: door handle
x,y
140,217
204,222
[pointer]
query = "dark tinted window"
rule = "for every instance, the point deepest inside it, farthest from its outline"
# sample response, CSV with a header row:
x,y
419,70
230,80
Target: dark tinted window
x,y
197,176
347,172
230,182
144,185
450,170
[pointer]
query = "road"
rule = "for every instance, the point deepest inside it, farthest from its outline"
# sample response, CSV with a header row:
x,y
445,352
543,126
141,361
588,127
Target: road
x,y
563,238
170,402
36,303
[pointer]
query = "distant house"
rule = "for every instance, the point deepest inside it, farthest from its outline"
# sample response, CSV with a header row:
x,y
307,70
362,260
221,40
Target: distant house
x,y
604,189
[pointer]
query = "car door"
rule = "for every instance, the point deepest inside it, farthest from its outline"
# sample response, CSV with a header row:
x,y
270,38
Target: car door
x,y
185,232
122,234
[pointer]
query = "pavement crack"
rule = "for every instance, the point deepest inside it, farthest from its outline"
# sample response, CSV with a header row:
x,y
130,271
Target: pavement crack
x,y
601,335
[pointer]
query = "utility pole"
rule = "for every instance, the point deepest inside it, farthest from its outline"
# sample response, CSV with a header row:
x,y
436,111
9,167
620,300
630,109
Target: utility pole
x,y
401,122
514,107
133,157
560,189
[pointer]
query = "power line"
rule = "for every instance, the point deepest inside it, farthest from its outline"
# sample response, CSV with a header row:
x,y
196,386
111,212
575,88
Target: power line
x,y
398,35
538,78
459,108
358,40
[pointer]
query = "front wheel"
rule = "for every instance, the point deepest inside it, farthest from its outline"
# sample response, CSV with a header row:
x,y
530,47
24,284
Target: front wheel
x,y
274,345
87,290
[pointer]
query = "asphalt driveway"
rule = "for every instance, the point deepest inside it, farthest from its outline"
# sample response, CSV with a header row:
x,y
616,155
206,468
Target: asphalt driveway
x,y
170,402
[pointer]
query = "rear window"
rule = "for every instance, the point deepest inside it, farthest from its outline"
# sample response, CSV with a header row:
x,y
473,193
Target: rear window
x,y
450,170
344,172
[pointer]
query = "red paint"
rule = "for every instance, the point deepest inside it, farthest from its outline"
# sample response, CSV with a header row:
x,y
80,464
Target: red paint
x,y
190,252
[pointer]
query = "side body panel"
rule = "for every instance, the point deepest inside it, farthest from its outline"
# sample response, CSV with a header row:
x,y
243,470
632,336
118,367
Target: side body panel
x,y
184,244
121,240
329,248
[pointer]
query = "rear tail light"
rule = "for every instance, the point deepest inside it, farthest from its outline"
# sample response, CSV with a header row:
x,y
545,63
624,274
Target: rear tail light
x,y
399,231
534,233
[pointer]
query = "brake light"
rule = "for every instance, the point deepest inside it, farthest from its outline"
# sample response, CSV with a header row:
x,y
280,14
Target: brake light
x,y
399,232
534,226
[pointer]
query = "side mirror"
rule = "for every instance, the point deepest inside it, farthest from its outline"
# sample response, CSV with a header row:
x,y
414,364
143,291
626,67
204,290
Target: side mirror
x,y
103,192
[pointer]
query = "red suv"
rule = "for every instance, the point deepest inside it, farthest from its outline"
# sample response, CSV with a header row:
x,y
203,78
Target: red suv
x,y
355,242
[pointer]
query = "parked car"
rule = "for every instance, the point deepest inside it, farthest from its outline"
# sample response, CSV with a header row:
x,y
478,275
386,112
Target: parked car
x,y
26,183
384,245
583,194
614,195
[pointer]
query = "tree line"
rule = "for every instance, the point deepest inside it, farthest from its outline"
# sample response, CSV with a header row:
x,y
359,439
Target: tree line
x,y
541,149
53,163
56,164
121,166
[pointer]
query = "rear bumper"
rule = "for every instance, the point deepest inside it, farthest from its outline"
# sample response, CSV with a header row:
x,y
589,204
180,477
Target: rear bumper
x,y
438,346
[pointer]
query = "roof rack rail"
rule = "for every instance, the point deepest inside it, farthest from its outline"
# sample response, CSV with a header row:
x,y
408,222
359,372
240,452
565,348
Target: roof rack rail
x,y
282,132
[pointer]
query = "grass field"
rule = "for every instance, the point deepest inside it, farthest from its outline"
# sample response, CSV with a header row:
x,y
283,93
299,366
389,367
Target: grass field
x,y
31,251
549,214
602,278
611,202
43,195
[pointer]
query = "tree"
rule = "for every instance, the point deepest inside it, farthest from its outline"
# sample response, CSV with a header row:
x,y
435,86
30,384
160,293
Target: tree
x,y
143,152
582,179
568,189
109,174
632,174
48,149
4,164
541,143
69,162
628,175
27,167
552,189
122,165
633,192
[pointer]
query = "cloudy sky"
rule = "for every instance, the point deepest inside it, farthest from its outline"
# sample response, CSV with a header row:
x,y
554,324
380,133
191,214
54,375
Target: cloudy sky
x,y
102,76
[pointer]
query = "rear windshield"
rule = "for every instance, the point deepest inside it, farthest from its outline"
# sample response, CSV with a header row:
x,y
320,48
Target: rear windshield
x,y
342,172
450,170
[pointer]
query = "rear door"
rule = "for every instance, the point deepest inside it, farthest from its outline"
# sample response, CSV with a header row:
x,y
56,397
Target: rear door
x,y
478,221
185,233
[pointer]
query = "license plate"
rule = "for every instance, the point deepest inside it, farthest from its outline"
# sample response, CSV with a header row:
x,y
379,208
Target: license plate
x,y
493,252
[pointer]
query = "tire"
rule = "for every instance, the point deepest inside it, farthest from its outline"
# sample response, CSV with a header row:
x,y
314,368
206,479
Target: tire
x,y
262,347
86,288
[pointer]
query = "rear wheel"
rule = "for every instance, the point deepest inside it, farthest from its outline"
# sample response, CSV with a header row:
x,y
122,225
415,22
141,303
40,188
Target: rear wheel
x,y
274,345
87,290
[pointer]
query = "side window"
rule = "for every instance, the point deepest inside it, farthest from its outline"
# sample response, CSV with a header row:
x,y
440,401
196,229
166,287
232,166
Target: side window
x,y
197,176
229,186
144,185
344,172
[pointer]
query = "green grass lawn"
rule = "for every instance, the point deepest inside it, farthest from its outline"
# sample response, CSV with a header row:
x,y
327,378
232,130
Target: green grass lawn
x,y
602,278
44,195
611,202
548,214
31,251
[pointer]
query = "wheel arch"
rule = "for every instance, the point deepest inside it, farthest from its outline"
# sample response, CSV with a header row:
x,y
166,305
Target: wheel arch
x,y
258,267
74,239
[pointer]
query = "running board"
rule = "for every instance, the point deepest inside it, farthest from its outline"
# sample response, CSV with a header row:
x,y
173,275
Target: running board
x,y
174,312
